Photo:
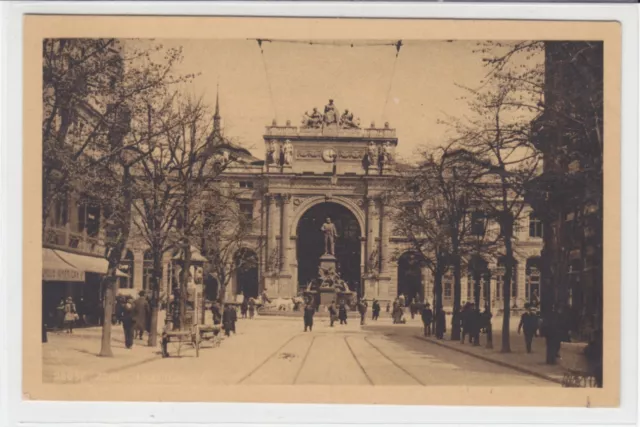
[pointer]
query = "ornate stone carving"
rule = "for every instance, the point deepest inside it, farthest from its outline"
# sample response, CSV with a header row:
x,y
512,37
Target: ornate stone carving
x,y
329,155
386,155
273,154
287,153
331,114
348,122
297,201
350,154
286,198
313,120
372,154
308,154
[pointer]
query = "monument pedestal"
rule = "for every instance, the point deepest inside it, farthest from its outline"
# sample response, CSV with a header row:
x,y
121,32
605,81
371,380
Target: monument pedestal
x,y
328,262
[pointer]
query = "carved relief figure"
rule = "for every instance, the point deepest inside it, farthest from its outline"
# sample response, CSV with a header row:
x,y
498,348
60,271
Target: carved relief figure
x,y
331,113
386,156
272,154
313,120
372,154
347,121
330,235
287,152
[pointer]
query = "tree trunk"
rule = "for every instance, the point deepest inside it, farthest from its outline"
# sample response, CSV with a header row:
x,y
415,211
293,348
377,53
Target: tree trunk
x,y
156,281
457,291
506,292
115,255
184,282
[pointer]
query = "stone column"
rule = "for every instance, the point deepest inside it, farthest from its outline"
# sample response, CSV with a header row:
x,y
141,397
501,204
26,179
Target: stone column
x,y
384,238
272,229
286,217
369,232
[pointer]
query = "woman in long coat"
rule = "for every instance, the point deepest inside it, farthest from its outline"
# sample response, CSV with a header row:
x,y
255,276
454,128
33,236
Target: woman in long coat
x,y
140,311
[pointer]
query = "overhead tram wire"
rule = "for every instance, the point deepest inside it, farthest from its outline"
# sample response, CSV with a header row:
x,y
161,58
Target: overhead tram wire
x,y
266,72
398,46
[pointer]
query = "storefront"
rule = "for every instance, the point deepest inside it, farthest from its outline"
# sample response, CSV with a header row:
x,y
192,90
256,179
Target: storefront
x,y
67,274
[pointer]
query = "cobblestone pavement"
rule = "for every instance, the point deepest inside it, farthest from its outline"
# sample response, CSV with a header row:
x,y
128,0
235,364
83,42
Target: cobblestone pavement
x,y
275,351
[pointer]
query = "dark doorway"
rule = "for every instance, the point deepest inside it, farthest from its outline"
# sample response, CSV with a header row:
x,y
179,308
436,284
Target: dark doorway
x,y
310,245
246,265
410,277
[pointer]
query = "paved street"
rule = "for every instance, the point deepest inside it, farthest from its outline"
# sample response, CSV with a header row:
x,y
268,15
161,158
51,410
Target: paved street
x,y
275,351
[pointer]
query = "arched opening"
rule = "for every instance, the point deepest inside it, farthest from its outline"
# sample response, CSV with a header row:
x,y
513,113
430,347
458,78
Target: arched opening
x,y
310,243
410,277
246,268
211,287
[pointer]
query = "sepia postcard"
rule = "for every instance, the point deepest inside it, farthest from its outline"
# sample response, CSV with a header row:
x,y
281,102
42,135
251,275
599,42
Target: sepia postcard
x,y
289,210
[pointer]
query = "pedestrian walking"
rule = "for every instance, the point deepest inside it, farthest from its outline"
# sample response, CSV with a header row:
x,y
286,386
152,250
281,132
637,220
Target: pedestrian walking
x,y
549,329
216,311
70,315
363,306
427,318
227,320
375,309
60,314
120,301
333,313
244,308
309,311
140,312
234,319
342,313
413,307
528,323
128,322
388,306
252,308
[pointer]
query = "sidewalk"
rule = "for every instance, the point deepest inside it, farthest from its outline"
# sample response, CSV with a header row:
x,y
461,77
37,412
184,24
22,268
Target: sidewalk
x,y
530,363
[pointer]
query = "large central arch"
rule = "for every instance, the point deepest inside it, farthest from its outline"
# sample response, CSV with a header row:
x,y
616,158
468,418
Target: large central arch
x,y
310,242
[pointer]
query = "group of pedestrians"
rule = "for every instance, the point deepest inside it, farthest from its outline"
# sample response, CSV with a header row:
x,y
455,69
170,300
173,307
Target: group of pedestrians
x,y
336,312
227,316
248,306
135,316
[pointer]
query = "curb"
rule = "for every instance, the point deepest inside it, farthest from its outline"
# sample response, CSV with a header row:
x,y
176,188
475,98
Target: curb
x,y
494,361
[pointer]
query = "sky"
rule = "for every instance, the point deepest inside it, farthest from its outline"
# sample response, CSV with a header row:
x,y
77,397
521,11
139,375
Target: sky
x,y
283,81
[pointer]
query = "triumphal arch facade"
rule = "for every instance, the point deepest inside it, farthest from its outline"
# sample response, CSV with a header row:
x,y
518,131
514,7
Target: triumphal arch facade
x,y
327,167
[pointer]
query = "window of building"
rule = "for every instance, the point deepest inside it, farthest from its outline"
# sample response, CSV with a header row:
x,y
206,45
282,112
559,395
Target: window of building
x,y
126,266
246,184
246,209
470,296
532,285
535,226
447,286
89,219
61,212
147,269
500,273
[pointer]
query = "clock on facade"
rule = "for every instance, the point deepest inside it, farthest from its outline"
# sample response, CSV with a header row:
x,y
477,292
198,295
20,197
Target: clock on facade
x,y
329,155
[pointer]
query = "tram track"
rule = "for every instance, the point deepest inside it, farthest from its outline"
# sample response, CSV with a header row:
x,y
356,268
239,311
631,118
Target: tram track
x,y
346,341
265,361
396,364
304,360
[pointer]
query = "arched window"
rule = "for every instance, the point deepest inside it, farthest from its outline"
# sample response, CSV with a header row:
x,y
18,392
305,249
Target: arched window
x,y
147,269
126,266
500,272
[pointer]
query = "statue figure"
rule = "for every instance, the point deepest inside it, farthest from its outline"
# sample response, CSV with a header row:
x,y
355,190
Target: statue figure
x,y
386,157
330,234
347,121
287,151
331,113
272,154
372,154
313,120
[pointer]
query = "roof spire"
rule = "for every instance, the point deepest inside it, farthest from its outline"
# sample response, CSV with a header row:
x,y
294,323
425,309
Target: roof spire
x,y
216,116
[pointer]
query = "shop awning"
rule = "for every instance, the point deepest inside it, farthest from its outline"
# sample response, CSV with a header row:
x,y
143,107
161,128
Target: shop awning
x,y
55,268
59,265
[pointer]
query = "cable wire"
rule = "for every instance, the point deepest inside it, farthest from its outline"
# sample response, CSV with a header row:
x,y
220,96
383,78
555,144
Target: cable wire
x,y
266,72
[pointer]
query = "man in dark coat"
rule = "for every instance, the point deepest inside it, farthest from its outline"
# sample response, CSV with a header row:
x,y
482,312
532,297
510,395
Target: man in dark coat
x,y
528,322
362,309
227,320
552,338
375,309
342,313
309,311
216,311
427,318
244,308
234,319
140,312
333,313
128,322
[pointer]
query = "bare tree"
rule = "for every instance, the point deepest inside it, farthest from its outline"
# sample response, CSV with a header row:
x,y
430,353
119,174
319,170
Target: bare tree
x,y
497,139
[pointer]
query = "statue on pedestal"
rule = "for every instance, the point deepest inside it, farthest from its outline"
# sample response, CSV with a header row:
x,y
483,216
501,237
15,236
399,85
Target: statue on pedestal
x,y
330,234
287,152
386,156
331,113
